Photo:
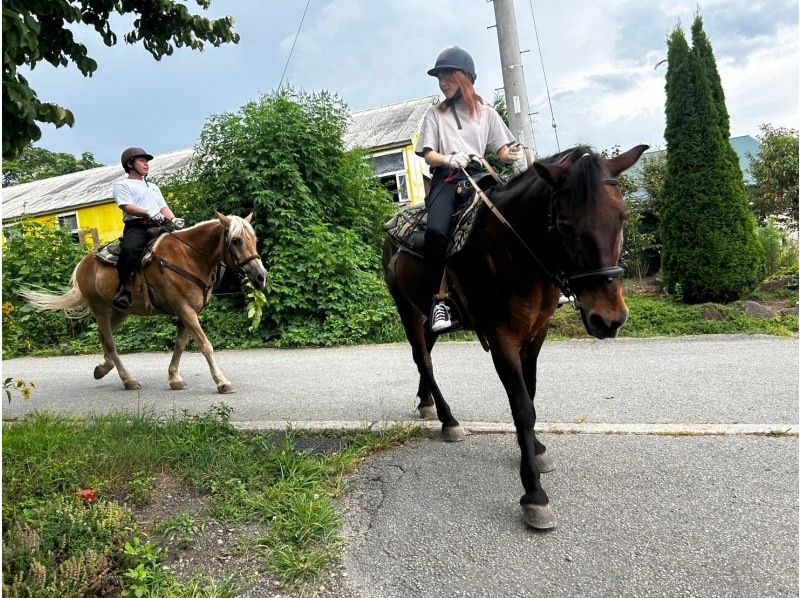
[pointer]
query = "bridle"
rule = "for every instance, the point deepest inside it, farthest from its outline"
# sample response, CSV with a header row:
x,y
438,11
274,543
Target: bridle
x,y
238,265
559,274
600,275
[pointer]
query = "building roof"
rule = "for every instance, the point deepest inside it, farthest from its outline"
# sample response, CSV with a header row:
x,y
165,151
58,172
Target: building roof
x,y
78,189
374,129
387,126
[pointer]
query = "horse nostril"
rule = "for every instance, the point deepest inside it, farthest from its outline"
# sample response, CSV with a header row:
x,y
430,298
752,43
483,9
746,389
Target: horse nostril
x,y
602,328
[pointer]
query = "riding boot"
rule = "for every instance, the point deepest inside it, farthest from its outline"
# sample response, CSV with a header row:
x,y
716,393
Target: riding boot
x,y
124,297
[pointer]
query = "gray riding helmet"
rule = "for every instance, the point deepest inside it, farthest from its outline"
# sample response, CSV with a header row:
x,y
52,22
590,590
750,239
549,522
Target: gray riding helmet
x,y
131,153
454,58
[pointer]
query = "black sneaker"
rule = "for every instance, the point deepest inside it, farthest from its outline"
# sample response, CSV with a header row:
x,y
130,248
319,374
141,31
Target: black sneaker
x,y
440,318
123,299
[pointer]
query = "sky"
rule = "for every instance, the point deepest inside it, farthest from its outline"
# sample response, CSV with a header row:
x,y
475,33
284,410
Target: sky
x,y
601,63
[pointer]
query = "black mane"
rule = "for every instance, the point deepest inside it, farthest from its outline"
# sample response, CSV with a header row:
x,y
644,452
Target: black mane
x,y
584,177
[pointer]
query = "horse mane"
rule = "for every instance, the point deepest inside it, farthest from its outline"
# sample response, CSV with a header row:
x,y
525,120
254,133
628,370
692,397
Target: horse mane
x,y
584,177
237,227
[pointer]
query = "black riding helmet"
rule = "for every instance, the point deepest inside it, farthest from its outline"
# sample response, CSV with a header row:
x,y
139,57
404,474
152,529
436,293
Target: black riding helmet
x,y
131,154
454,58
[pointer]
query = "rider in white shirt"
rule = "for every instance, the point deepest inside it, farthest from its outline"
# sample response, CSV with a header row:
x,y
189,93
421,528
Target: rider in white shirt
x,y
144,208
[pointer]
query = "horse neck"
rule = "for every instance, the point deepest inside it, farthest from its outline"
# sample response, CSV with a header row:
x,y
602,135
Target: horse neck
x,y
208,240
525,206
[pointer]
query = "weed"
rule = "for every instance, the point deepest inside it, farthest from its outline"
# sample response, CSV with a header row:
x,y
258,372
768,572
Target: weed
x,y
183,528
140,488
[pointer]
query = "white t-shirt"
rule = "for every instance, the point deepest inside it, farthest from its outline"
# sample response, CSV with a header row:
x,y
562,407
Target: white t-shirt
x,y
440,132
139,193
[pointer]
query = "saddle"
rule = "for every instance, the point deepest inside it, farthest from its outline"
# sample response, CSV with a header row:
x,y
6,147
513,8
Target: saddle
x,y
407,227
108,254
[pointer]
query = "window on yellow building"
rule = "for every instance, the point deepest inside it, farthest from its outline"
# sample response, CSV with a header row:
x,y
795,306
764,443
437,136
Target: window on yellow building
x,y
70,221
391,170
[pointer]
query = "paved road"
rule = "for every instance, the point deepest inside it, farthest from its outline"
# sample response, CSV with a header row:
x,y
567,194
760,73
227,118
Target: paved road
x,y
639,514
691,380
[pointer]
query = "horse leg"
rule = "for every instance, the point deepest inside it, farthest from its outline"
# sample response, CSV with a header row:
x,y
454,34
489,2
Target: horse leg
x,y
107,323
191,322
425,406
416,334
176,381
535,503
530,355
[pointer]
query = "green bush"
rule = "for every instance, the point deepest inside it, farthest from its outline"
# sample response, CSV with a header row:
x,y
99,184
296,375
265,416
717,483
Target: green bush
x,y
36,256
779,251
318,212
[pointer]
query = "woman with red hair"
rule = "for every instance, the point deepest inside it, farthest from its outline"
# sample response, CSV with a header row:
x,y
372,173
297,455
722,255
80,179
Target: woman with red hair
x,y
461,125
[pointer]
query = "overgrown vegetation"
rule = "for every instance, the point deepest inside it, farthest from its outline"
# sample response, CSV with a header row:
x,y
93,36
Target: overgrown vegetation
x,y
59,541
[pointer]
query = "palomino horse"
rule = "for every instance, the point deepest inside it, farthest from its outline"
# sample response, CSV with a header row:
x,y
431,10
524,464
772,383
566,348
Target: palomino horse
x,y
177,280
559,228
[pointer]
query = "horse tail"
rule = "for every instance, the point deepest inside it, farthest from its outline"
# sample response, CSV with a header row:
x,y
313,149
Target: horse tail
x,y
72,302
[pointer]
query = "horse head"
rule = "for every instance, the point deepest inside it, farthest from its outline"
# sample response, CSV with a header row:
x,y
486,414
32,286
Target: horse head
x,y
240,249
587,214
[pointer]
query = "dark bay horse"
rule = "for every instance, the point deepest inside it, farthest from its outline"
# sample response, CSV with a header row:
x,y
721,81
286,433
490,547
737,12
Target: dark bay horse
x,y
177,280
563,232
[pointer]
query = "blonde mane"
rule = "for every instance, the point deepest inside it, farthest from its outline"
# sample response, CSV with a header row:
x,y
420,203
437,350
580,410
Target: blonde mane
x,y
238,227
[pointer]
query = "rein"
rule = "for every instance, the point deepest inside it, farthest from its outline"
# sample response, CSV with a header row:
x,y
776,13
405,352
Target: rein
x,y
565,282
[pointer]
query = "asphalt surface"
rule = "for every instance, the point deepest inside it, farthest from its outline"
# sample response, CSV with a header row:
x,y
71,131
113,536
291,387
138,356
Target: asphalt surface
x,y
645,506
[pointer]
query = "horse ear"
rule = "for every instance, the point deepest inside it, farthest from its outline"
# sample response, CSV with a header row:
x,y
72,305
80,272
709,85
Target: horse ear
x,y
624,161
553,174
223,219
249,218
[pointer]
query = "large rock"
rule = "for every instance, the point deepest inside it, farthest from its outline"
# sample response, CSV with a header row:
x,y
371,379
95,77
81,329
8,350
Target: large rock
x,y
712,313
756,310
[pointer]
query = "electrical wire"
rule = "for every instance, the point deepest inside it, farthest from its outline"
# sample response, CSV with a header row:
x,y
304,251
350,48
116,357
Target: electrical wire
x,y
296,35
544,74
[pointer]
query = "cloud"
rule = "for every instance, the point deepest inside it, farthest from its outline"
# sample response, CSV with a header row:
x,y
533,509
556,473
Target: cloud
x,y
599,60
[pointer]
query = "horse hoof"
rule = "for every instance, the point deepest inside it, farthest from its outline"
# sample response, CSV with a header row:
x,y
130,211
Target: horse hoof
x,y
226,389
132,385
539,516
544,462
100,371
427,412
177,385
453,433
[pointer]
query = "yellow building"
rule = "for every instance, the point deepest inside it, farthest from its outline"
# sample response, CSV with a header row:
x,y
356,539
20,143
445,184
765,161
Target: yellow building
x,y
82,200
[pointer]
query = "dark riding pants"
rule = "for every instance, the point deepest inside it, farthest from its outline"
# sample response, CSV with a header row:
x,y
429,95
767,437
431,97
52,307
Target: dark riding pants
x,y
135,236
442,203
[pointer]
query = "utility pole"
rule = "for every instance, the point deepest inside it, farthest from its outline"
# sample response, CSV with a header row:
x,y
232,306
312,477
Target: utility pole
x,y
519,120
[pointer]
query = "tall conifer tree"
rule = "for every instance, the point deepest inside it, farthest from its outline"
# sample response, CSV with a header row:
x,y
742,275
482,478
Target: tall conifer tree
x,y
710,249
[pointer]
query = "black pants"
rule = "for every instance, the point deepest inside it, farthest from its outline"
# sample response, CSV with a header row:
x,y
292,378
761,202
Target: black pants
x,y
442,203
135,236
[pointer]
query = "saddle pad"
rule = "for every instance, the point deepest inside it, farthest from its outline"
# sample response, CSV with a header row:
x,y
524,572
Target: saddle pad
x,y
108,254
407,227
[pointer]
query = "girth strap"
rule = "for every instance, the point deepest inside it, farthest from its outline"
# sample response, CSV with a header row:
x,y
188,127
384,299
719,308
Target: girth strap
x,y
202,285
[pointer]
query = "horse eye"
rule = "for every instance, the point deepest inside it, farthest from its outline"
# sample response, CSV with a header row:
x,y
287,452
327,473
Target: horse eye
x,y
236,241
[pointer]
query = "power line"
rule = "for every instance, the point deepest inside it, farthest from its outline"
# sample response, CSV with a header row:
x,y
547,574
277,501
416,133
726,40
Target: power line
x,y
544,74
296,35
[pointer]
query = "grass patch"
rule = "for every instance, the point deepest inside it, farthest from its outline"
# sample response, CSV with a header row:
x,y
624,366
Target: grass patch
x,y
56,543
652,314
